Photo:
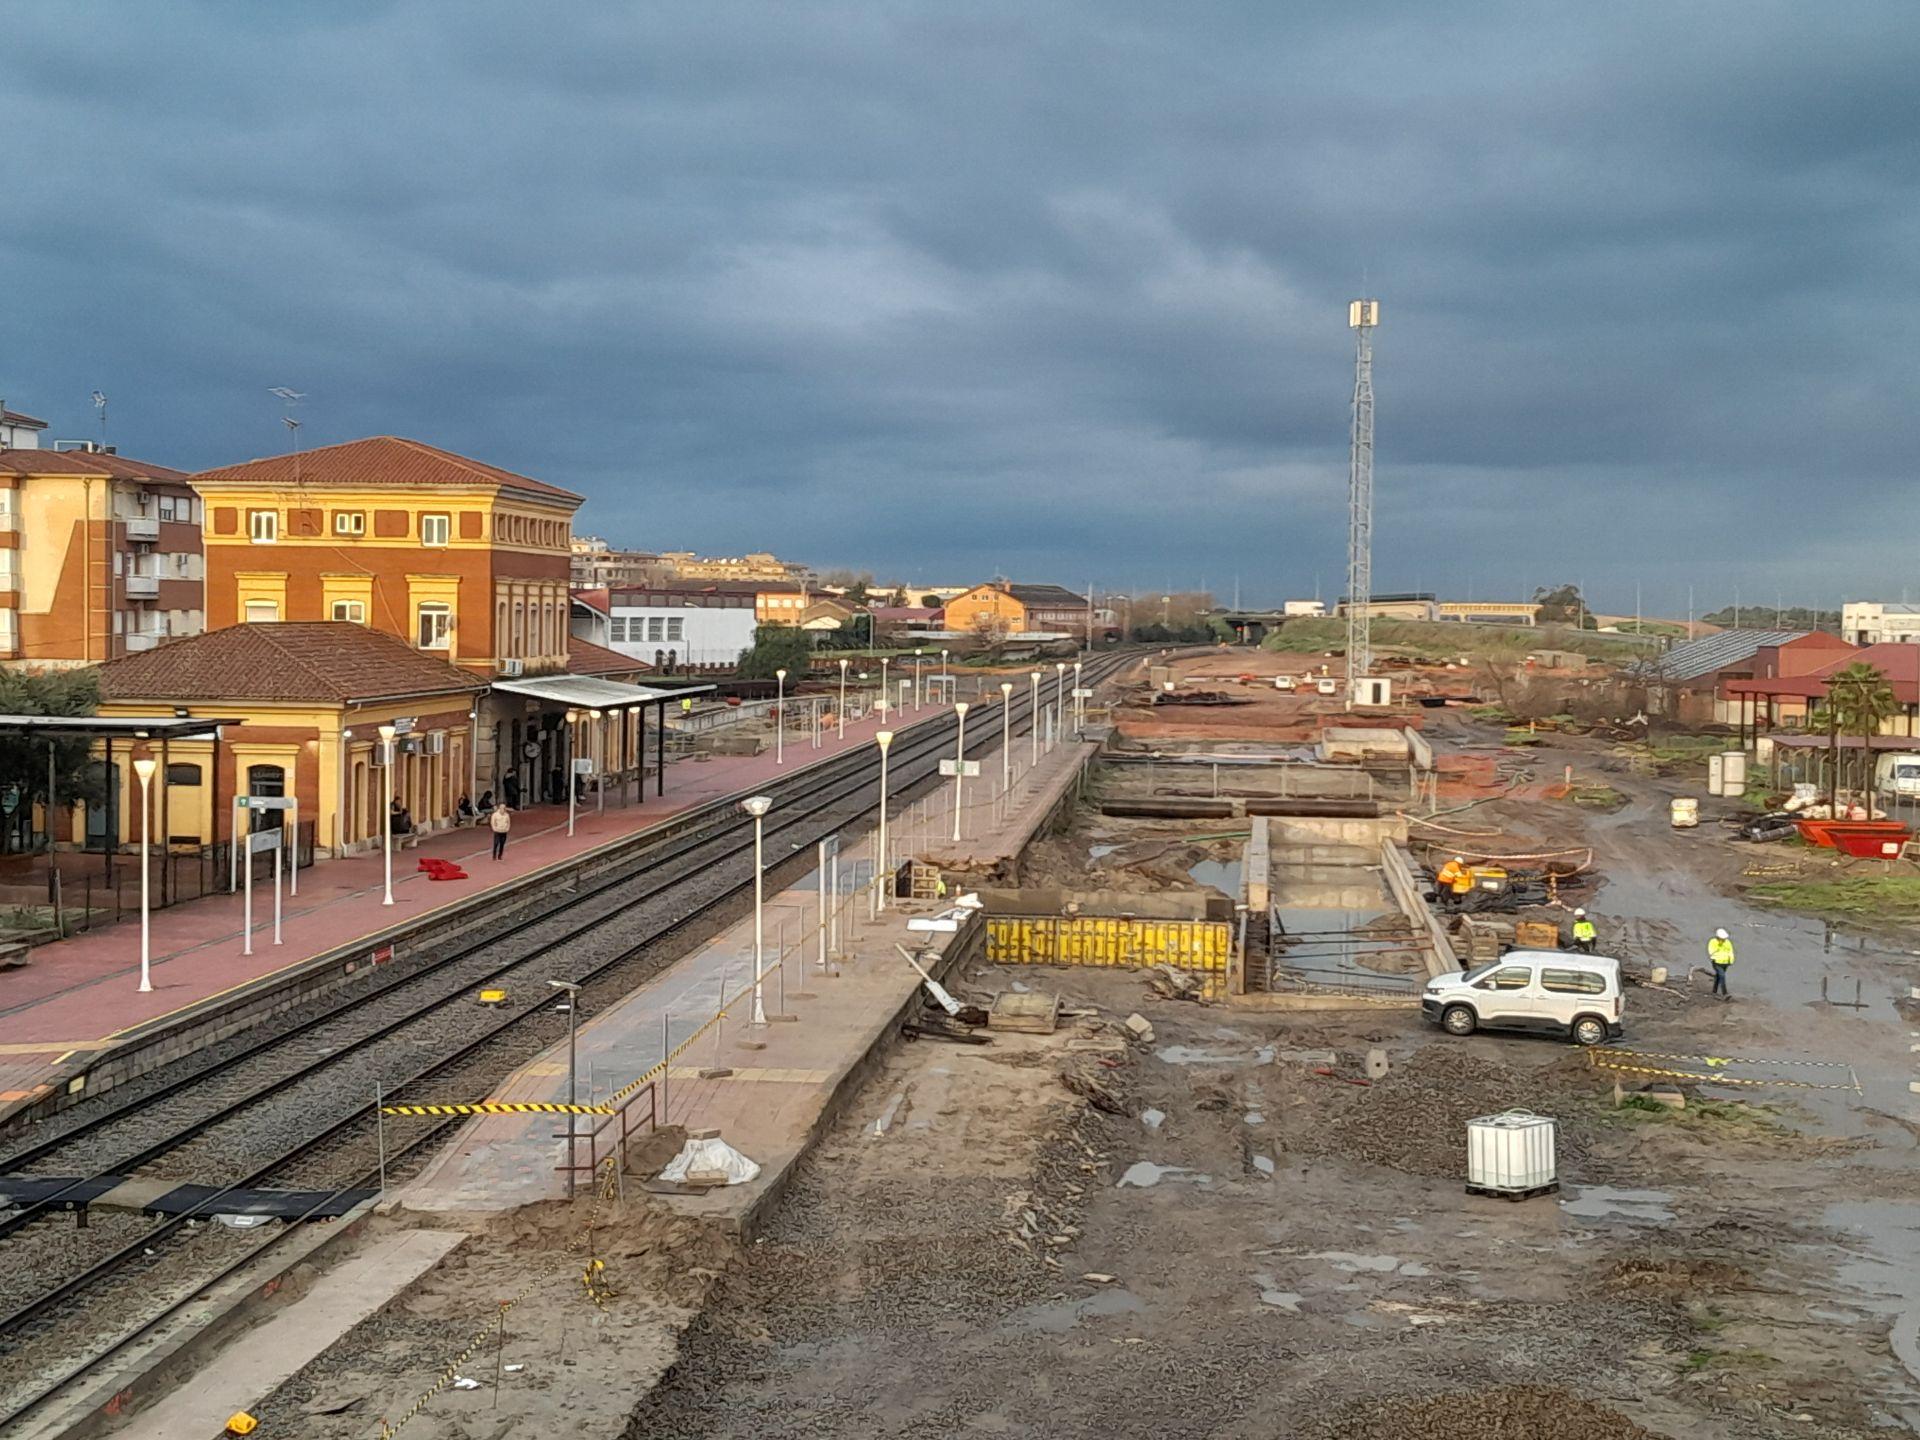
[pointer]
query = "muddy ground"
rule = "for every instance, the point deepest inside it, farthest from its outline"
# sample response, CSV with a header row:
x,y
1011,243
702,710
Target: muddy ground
x,y
1266,1246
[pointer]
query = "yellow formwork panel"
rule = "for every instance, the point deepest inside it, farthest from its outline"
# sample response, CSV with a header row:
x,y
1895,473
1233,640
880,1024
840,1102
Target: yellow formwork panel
x,y
1205,945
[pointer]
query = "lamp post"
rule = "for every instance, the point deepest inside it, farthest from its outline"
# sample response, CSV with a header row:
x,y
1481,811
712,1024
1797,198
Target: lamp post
x,y
917,654
883,739
886,695
573,774
1033,714
599,761
946,674
1006,737
757,806
1059,698
572,989
843,698
143,767
1079,701
387,732
780,717
959,763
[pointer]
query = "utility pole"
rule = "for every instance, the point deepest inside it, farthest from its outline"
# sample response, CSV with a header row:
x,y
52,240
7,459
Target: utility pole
x,y
1362,317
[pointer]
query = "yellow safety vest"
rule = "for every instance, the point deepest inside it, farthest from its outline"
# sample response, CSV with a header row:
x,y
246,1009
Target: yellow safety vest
x,y
1719,951
1583,930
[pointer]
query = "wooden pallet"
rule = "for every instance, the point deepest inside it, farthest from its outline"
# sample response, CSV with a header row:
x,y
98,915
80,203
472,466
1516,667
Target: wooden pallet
x,y
1552,1187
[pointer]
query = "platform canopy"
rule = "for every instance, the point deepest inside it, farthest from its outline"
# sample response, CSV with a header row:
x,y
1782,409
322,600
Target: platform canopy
x,y
115,727
590,692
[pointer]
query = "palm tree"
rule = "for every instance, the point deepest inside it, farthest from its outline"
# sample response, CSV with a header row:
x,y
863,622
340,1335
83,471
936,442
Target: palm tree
x,y
1860,700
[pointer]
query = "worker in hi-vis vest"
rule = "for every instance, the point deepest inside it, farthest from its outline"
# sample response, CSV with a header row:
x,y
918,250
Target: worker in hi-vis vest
x,y
1720,952
1584,933
1452,881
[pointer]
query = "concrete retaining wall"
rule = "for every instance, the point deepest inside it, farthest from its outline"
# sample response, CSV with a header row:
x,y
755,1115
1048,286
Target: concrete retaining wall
x,y
1405,884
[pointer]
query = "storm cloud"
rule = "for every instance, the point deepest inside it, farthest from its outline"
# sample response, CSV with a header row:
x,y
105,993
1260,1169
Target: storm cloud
x,y
1055,290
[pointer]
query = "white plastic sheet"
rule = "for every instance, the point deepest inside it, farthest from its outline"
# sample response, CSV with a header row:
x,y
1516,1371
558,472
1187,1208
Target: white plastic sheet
x,y
710,1157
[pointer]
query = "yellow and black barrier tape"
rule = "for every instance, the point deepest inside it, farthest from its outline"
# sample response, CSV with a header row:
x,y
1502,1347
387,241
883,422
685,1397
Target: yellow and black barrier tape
x,y
390,1428
1602,1062
1714,1061
500,1107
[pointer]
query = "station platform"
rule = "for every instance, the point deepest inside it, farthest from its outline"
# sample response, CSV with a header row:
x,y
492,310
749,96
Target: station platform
x,y
788,1075
77,998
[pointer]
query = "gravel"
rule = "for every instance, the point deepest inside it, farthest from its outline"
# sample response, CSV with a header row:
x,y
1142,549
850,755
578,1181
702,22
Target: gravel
x,y
1506,1413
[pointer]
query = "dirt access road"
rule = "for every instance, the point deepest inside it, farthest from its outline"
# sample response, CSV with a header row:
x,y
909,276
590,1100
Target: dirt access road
x,y
1293,1254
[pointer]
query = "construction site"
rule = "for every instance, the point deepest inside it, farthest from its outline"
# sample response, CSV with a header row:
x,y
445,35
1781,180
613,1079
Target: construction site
x,y
1120,1114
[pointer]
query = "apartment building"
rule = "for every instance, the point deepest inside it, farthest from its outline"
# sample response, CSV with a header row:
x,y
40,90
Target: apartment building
x,y
17,431
596,566
100,557
1014,609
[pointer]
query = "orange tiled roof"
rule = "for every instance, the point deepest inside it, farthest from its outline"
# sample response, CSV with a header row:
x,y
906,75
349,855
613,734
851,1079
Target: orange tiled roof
x,y
83,462
325,661
381,460
586,658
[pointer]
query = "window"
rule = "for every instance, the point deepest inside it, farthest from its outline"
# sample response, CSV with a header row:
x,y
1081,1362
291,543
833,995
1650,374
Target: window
x,y
354,611
263,526
262,612
435,529
266,781
182,565
180,773
617,630
676,630
1573,982
349,522
166,507
656,628
1508,977
436,627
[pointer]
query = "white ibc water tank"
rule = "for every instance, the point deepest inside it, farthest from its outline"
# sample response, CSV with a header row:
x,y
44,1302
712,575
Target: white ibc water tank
x,y
1511,1152
1733,773
1716,774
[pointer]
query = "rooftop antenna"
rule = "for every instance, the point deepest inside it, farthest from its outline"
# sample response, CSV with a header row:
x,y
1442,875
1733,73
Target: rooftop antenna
x,y
100,404
290,398
1362,317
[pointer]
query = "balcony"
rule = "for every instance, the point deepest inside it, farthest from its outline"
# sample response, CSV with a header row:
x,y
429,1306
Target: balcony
x,y
138,641
143,587
142,527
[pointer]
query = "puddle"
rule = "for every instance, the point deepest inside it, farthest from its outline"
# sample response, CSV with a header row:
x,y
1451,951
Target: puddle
x,y
1222,875
1885,1277
1097,853
1057,1317
1601,1202
1352,1264
1144,1174
1272,1294
1153,1119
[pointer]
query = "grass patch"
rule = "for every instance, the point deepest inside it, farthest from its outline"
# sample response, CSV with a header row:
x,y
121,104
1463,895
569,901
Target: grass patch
x,y
1878,896
1492,714
1441,640
1521,738
1722,1117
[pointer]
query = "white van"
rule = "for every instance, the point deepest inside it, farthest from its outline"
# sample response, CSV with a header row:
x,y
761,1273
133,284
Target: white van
x,y
1898,776
1549,992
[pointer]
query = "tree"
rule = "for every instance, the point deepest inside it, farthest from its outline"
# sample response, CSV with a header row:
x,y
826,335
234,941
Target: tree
x,y
1562,605
1859,701
775,647
23,762
930,602
856,593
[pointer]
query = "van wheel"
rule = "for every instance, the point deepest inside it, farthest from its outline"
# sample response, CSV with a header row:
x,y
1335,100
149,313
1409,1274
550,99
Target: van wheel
x,y
1459,1020
1589,1030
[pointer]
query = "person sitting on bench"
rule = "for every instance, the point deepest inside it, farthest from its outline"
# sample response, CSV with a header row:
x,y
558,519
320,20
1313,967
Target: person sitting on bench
x,y
398,820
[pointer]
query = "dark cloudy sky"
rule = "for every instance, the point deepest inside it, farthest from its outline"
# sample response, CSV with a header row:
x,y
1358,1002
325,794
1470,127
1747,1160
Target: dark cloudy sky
x,y
1054,289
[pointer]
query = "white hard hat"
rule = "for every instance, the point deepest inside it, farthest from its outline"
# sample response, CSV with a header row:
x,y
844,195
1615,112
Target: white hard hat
x,y
1578,913
1720,934
1459,859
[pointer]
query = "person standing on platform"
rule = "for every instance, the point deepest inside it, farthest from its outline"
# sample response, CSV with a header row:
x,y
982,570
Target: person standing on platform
x,y
500,822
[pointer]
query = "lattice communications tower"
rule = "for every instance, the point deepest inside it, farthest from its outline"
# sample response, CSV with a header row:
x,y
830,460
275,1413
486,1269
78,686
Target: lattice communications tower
x,y
1362,316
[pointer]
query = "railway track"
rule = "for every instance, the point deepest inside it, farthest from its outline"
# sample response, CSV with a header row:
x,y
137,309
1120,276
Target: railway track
x,y
292,1106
